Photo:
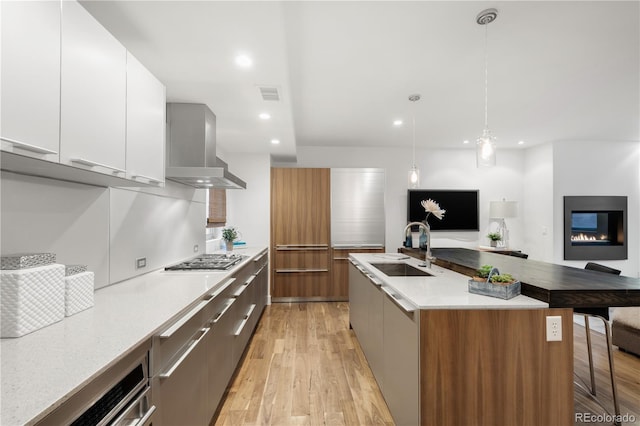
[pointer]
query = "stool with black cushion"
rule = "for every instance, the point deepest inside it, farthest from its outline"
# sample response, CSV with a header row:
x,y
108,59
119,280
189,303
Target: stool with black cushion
x,y
603,314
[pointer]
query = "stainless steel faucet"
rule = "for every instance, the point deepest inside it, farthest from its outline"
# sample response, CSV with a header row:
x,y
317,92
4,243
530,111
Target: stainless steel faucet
x,y
427,257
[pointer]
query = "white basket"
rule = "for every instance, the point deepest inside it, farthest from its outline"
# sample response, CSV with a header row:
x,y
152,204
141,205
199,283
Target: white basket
x,y
78,293
31,299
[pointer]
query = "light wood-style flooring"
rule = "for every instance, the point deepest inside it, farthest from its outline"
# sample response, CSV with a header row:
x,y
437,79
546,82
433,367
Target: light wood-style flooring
x,y
305,366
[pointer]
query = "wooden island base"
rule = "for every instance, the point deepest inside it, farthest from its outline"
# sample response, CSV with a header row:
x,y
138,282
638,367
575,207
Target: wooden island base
x,y
495,367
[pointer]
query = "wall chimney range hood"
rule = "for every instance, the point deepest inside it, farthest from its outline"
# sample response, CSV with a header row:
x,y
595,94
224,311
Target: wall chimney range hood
x,y
191,149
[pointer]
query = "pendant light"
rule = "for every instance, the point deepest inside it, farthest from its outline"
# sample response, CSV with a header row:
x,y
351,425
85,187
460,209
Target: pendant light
x,y
414,172
485,144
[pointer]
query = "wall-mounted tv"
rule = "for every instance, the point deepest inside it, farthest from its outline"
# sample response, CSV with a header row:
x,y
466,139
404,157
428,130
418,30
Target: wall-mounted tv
x,y
461,208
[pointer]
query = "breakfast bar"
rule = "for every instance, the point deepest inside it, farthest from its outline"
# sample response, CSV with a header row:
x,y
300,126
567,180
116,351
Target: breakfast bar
x,y
560,286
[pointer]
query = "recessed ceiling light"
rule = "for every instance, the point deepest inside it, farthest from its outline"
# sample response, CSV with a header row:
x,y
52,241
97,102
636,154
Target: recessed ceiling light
x,y
264,116
465,142
397,123
199,181
521,143
243,61
275,141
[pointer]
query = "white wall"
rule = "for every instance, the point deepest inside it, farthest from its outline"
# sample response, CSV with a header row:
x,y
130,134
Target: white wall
x,y
598,168
538,207
249,209
103,228
440,169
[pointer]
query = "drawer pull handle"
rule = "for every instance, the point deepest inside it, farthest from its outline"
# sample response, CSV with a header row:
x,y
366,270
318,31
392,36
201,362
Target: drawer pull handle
x,y
182,321
290,271
184,356
398,301
220,289
257,259
90,163
220,314
149,178
302,247
29,147
244,320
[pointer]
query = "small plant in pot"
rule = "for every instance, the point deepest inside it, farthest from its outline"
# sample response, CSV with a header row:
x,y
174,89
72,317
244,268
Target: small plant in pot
x,y
502,279
494,237
482,274
229,235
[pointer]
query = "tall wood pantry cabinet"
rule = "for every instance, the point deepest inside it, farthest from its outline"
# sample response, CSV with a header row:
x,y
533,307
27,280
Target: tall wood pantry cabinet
x,y
300,234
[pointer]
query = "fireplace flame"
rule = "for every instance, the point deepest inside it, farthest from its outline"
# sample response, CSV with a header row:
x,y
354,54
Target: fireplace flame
x,y
584,237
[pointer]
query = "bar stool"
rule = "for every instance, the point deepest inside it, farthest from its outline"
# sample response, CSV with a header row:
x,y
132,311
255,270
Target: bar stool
x,y
603,314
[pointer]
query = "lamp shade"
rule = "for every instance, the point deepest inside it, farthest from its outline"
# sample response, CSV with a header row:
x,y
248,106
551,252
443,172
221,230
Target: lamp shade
x,y
502,209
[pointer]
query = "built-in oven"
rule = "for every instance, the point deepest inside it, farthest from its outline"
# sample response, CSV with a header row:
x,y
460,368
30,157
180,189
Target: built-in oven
x,y
119,396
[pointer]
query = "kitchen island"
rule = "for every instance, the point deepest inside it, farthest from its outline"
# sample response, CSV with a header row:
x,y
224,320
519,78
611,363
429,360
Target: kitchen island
x,y
44,369
444,356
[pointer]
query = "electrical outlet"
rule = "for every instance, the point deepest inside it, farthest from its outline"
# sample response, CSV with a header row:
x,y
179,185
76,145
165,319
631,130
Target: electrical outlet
x,y
141,262
554,328
196,248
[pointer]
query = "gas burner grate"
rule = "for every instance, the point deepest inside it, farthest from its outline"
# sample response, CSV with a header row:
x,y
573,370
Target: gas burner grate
x,y
217,261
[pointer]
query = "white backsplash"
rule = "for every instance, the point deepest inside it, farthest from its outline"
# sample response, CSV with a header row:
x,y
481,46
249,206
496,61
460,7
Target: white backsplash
x,y
106,229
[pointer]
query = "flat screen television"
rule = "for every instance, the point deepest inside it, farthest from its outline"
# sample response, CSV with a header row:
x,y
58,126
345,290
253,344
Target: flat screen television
x,y
461,208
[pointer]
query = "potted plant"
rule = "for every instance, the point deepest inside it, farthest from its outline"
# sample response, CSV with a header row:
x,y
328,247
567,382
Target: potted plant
x,y
482,274
494,237
493,283
229,235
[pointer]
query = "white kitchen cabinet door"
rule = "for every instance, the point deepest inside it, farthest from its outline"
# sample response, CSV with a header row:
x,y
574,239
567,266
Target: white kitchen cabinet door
x,y
93,94
146,124
30,87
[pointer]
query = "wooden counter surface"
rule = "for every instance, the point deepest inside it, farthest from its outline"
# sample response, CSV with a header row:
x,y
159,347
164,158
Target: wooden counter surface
x,y
560,286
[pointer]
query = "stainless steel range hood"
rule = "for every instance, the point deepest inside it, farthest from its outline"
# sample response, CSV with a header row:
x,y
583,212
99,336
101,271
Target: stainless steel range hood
x,y
191,149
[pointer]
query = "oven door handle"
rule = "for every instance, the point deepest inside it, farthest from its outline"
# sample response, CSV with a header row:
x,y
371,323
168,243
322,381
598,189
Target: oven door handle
x,y
134,407
147,416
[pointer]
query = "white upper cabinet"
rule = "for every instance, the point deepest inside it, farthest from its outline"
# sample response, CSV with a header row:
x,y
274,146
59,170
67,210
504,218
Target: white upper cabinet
x,y
30,83
93,94
146,110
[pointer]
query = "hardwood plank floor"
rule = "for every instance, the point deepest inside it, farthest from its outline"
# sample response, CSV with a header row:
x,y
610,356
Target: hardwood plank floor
x,y
305,366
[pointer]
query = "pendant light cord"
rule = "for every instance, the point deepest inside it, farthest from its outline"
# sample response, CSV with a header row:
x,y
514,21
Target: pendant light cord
x,y
486,78
414,136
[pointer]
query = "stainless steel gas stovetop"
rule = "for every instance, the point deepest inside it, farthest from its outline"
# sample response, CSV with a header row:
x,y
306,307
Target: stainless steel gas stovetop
x,y
208,262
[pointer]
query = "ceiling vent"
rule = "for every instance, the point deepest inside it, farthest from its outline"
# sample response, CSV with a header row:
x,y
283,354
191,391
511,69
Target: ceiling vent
x,y
269,93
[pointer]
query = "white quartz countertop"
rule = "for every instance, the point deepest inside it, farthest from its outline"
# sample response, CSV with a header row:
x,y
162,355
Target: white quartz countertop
x,y
446,289
43,369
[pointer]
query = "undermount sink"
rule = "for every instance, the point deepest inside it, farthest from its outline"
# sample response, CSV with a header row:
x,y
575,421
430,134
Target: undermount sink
x,y
399,269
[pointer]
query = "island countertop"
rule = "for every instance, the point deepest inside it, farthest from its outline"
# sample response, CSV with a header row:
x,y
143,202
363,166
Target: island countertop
x,y
446,289
558,285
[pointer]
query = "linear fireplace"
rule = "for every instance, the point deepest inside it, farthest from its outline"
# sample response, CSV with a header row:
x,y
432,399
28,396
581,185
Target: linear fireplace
x,y
595,228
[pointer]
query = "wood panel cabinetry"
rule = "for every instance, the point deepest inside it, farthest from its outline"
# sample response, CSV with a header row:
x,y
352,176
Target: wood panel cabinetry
x,y
300,234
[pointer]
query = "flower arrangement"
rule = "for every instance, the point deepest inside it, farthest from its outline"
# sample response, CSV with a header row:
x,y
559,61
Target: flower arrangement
x,y
432,207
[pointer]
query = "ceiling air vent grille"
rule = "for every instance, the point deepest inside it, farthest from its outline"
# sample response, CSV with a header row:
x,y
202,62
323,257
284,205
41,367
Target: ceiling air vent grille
x,y
269,93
